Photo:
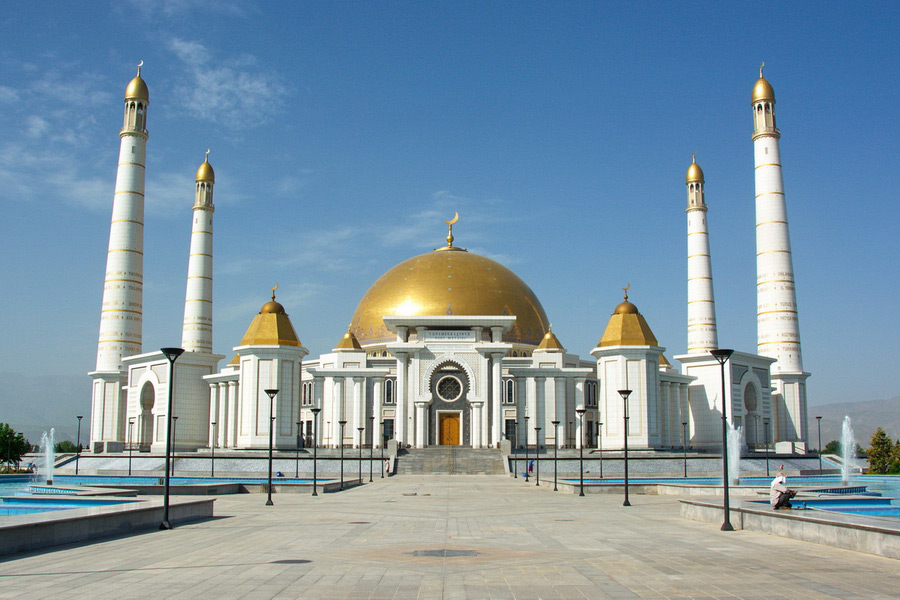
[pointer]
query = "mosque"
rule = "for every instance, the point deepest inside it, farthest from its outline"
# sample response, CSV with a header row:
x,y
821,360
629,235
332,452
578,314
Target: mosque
x,y
446,348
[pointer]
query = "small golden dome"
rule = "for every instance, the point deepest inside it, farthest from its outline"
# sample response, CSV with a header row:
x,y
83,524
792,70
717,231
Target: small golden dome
x,y
626,308
205,172
137,90
271,327
449,281
348,342
663,361
627,327
763,90
694,174
550,343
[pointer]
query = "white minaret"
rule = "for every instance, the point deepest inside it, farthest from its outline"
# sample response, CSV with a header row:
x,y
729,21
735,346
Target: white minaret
x,y
778,332
701,304
121,311
196,335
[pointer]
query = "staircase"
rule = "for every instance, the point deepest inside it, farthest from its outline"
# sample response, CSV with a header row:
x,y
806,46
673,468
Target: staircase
x,y
450,460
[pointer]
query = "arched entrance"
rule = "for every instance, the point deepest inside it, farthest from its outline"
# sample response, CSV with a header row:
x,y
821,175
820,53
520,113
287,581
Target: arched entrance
x,y
449,422
145,421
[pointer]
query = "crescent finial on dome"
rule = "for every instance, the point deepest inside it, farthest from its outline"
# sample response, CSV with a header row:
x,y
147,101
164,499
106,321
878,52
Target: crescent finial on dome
x,y
450,229
625,289
273,292
763,64
140,64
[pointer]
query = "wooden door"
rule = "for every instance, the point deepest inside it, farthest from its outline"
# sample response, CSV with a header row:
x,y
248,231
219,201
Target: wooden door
x,y
449,429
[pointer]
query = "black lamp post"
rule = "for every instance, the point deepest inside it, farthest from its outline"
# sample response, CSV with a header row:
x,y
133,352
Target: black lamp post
x,y
722,355
526,448
625,394
342,423
600,445
514,449
130,444
297,454
212,449
172,355
360,430
383,442
537,456
684,444
174,425
271,394
78,444
315,413
580,412
766,432
372,445
819,425
555,452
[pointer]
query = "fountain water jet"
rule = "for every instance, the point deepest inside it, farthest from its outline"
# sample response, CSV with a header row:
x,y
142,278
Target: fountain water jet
x,y
49,458
848,449
735,441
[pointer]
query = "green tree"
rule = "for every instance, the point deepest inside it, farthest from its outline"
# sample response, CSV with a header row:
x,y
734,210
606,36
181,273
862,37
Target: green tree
x,y
832,447
65,447
880,452
13,444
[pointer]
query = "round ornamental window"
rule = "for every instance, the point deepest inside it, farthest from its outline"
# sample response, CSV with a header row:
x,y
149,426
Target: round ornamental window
x,y
449,388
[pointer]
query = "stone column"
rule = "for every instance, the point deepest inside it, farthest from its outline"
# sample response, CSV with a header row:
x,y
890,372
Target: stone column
x,y
496,398
377,396
421,421
402,394
560,415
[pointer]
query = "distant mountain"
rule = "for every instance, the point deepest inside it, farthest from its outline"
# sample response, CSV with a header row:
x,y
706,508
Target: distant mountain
x,y
865,418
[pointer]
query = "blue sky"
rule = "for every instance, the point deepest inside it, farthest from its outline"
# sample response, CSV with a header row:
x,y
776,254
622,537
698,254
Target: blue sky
x,y
342,134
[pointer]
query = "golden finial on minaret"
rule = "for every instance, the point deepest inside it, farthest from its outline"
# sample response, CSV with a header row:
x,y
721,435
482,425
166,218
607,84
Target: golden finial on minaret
x,y
140,64
625,289
450,229
273,292
761,68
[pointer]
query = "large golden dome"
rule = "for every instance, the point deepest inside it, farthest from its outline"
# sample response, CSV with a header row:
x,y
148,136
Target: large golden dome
x,y
449,281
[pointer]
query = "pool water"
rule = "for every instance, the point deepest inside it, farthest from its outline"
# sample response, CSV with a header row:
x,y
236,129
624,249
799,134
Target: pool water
x,y
27,506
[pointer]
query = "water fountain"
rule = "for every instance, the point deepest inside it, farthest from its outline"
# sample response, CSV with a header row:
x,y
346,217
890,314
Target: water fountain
x,y
848,450
735,440
47,451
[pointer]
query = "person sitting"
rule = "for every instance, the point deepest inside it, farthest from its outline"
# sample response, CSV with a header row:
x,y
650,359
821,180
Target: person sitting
x,y
779,494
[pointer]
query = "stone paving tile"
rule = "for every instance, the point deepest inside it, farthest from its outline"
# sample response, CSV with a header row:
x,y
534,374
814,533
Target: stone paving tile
x,y
528,543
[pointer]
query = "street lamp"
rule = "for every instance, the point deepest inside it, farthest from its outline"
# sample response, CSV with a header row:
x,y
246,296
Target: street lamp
x,y
342,423
819,425
174,426
297,456
315,413
171,355
555,451
722,355
360,430
271,394
580,411
130,444
625,394
526,448
372,445
212,449
766,431
383,442
515,450
684,444
537,455
78,447
600,445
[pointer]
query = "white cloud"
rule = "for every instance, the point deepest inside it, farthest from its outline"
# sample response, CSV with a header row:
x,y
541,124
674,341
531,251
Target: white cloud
x,y
225,91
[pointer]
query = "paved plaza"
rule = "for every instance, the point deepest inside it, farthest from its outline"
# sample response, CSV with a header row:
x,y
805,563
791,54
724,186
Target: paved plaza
x,y
447,537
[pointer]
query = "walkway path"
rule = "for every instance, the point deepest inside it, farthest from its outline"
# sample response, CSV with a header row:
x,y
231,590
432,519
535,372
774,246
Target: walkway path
x,y
448,537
